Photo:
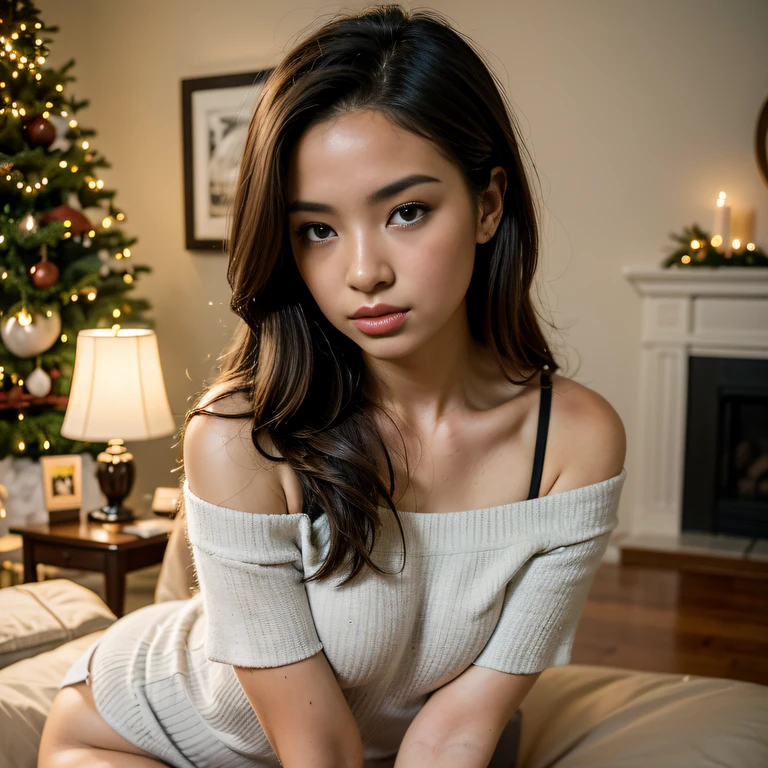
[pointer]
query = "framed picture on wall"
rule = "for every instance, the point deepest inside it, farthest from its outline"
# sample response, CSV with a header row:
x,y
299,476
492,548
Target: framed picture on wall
x,y
761,142
62,485
216,112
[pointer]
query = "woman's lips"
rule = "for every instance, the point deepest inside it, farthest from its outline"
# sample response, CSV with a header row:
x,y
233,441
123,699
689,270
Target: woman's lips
x,y
375,326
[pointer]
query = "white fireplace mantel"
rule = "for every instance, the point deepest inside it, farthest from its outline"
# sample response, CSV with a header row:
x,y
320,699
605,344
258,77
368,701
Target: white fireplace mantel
x,y
686,312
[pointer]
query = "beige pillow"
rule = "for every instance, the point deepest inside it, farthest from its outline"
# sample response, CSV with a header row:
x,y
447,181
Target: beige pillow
x,y
27,691
581,716
177,572
41,615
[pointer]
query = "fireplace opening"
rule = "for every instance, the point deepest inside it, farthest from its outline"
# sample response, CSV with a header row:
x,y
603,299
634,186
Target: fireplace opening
x,y
725,486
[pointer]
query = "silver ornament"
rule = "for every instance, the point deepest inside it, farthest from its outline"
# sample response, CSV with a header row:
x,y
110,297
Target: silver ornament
x,y
29,340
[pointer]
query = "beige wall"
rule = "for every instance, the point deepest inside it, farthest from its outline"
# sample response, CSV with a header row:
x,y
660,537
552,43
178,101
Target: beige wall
x,y
636,114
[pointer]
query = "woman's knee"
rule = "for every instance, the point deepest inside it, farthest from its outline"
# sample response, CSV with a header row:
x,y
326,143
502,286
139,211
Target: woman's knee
x,y
80,757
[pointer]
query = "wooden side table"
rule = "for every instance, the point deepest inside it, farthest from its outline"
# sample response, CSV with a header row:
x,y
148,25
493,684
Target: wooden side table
x,y
89,547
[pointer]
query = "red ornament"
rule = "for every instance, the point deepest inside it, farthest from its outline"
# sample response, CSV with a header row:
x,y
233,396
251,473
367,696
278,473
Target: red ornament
x,y
40,132
15,396
46,274
79,224
54,373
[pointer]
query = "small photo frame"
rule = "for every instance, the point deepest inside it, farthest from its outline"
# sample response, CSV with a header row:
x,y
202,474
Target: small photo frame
x,y
216,112
62,485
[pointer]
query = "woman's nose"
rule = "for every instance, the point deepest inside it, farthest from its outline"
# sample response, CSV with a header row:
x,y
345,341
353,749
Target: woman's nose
x,y
369,265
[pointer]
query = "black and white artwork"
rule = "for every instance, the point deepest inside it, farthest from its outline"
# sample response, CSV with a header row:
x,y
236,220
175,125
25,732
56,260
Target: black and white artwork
x,y
216,113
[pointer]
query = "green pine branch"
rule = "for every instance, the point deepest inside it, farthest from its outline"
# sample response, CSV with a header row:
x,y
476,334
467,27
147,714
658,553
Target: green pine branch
x,y
36,179
684,256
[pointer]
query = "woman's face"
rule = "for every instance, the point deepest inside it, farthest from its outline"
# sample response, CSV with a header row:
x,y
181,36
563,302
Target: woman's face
x,y
413,248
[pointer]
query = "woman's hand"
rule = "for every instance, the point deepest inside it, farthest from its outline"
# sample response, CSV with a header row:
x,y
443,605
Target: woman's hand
x,y
462,722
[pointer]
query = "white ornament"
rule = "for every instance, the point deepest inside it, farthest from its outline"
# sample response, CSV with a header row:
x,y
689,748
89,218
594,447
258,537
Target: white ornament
x,y
30,340
111,264
61,124
38,383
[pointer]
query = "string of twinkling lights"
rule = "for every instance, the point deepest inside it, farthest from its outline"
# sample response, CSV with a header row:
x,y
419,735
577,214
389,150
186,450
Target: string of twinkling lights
x,y
59,273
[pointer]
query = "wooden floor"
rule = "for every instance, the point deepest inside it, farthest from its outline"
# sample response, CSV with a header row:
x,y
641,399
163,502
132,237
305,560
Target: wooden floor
x,y
671,621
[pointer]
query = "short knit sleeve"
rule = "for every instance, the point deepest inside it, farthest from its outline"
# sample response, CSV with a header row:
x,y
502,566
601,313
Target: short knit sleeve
x,y
249,567
544,600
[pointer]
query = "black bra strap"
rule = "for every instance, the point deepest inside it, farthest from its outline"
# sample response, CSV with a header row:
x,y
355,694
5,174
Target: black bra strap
x,y
541,434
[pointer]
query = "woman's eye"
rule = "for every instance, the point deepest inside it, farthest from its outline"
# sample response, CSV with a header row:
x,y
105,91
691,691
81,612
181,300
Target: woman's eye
x,y
409,208
406,212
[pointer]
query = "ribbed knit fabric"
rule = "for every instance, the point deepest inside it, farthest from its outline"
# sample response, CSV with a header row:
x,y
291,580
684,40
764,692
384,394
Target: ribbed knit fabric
x,y
501,587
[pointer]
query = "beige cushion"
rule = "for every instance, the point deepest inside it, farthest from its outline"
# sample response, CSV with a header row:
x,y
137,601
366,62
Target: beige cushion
x,y
582,716
177,573
41,615
27,691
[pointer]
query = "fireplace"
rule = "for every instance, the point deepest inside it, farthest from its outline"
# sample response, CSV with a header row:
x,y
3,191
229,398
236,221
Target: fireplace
x,y
699,437
725,482
697,460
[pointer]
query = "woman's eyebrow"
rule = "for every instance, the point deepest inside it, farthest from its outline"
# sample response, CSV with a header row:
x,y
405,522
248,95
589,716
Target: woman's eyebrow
x,y
390,190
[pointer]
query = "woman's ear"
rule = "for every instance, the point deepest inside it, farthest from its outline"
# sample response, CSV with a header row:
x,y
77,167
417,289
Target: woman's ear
x,y
491,206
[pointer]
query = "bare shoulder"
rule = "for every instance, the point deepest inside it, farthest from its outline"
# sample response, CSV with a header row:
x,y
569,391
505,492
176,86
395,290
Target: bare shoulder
x,y
586,436
221,463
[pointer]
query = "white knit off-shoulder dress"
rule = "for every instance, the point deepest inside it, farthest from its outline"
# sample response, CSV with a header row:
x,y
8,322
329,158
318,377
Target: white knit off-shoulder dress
x,y
501,587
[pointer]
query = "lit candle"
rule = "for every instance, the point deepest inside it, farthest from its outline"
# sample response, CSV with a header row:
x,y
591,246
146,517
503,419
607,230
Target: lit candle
x,y
742,227
748,233
721,231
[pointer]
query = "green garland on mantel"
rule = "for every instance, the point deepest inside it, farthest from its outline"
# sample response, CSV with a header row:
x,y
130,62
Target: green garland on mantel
x,y
688,256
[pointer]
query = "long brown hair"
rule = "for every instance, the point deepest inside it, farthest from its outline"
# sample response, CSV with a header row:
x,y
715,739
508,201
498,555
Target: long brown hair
x,y
304,379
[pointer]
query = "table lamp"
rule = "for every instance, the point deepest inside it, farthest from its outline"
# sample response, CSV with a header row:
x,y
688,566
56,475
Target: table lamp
x,y
117,394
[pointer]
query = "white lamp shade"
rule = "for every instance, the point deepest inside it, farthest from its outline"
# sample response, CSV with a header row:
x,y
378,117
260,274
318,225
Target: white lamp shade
x,y
117,388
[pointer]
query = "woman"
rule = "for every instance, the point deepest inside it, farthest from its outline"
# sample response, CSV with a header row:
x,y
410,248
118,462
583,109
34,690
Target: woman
x,y
387,555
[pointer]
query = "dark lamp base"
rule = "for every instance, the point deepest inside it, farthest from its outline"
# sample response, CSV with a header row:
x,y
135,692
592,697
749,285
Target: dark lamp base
x,y
116,471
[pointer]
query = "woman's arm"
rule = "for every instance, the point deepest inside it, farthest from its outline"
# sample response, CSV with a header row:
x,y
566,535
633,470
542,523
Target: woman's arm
x,y
461,723
299,705
304,714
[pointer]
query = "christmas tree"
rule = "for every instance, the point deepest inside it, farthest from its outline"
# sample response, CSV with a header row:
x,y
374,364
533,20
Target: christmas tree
x,y
64,263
